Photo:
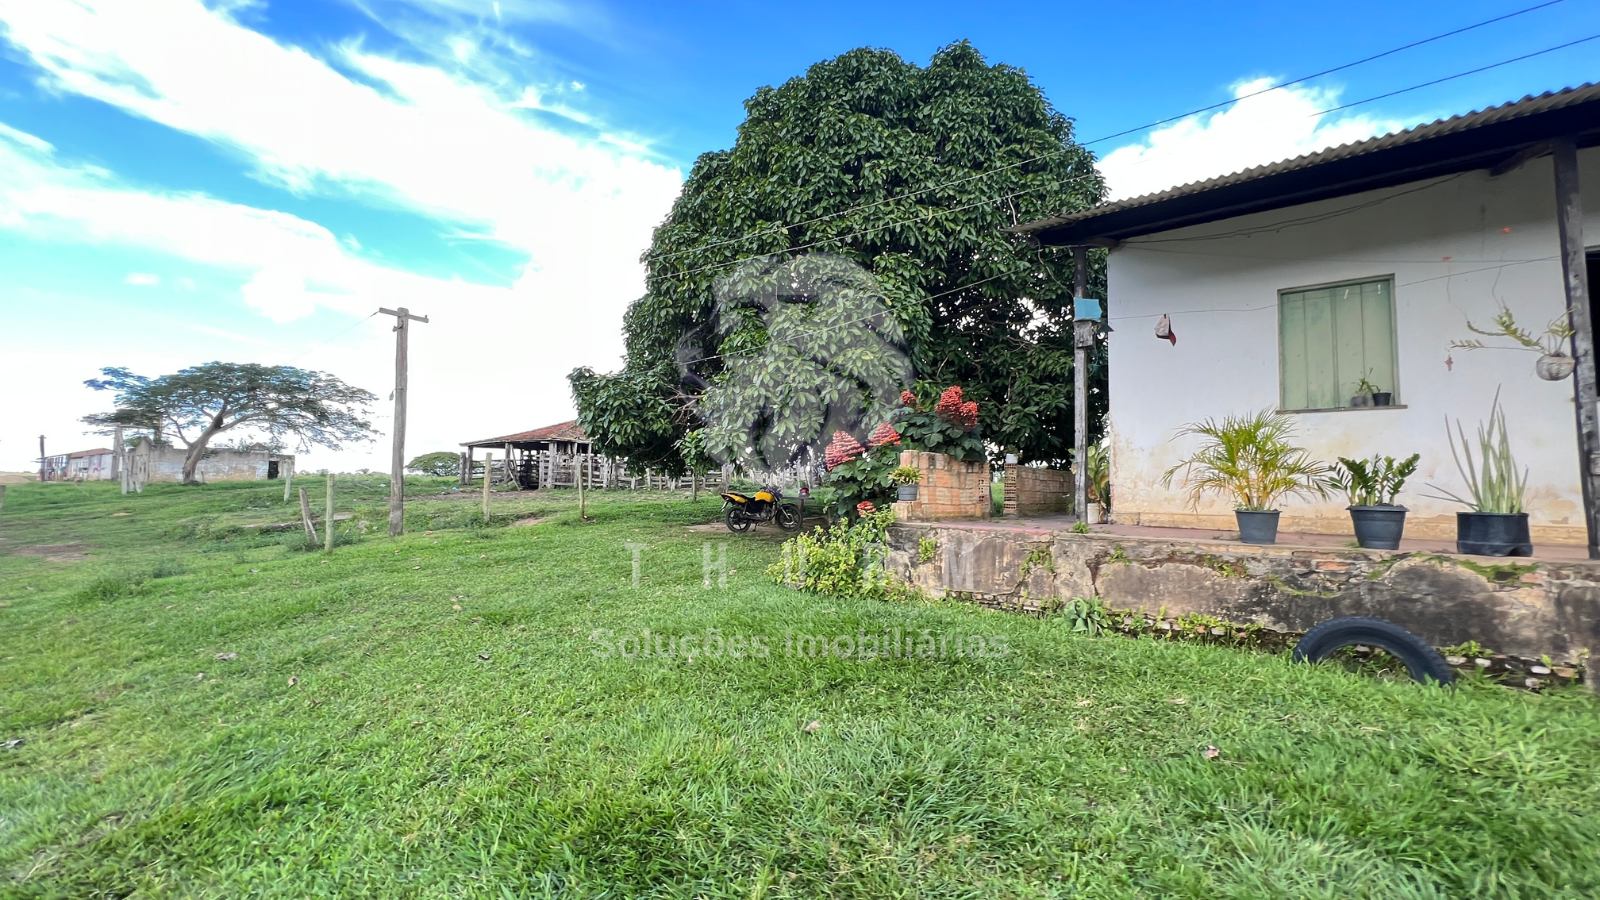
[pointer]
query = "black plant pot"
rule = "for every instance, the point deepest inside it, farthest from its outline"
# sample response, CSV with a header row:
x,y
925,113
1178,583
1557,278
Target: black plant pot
x,y
1382,398
1379,527
1493,534
1257,526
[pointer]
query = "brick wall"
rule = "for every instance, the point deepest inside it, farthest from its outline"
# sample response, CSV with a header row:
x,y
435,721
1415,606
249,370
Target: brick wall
x,y
950,489
1032,491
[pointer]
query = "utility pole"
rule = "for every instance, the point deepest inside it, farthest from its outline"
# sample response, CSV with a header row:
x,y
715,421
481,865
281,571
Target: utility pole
x,y
397,482
1575,279
1082,340
42,470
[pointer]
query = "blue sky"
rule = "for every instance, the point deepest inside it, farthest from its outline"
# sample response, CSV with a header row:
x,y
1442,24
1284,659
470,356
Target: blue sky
x,y
184,181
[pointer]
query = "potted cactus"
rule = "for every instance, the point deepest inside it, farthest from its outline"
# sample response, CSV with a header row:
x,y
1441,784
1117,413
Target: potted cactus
x,y
1250,458
1496,523
1371,486
906,480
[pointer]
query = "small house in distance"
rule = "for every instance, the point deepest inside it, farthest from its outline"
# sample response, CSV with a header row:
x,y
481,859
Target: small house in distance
x,y
1313,284
148,464
98,464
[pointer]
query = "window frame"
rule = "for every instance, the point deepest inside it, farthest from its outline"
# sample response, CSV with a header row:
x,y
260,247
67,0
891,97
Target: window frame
x,y
1394,342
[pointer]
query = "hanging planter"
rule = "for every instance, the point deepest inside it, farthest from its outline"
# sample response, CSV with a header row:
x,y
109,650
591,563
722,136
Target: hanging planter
x,y
1554,366
1554,362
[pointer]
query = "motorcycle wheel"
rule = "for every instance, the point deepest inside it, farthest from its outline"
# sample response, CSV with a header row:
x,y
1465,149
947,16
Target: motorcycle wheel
x,y
788,517
738,523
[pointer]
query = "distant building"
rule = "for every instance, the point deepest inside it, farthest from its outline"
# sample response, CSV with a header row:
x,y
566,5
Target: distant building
x,y
150,463
98,464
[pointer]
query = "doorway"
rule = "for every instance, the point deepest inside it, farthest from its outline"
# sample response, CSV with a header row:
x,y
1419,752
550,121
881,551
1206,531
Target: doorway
x,y
272,469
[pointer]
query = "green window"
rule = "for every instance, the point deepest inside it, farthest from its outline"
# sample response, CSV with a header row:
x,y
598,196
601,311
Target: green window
x,y
1330,337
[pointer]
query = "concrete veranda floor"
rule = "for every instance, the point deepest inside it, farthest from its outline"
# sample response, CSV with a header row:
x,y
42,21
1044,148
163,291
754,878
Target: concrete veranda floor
x,y
1048,524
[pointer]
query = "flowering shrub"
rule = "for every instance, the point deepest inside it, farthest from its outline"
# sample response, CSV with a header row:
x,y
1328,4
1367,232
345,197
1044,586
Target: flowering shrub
x,y
842,449
866,508
883,434
951,427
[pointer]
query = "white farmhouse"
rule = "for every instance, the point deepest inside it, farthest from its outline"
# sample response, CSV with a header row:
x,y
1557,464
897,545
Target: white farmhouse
x,y
1285,285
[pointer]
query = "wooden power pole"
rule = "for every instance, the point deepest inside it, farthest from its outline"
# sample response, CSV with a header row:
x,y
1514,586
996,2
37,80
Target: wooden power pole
x,y
42,470
397,481
1575,279
1082,340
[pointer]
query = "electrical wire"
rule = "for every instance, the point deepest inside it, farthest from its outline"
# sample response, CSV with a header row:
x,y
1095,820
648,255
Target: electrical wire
x,y
314,347
1102,139
1504,62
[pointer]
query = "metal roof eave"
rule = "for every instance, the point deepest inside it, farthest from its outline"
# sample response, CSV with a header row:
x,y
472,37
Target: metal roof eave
x,y
1395,160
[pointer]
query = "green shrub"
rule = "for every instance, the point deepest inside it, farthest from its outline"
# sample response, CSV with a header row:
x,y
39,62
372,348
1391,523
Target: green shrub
x,y
112,587
842,560
1088,615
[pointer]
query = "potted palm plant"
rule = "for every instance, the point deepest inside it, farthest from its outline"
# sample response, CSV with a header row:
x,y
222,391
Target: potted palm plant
x,y
1250,459
1099,484
1496,523
906,481
1371,486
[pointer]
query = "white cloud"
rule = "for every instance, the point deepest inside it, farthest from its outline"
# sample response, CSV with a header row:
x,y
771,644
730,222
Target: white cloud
x,y
143,279
427,138
1257,130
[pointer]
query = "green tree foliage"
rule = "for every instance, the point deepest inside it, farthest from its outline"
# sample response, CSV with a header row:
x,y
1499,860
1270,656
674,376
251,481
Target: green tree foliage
x,y
825,355
911,172
201,402
443,464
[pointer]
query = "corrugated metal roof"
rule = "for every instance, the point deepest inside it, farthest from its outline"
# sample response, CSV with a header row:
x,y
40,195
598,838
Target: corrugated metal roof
x,y
1505,112
562,431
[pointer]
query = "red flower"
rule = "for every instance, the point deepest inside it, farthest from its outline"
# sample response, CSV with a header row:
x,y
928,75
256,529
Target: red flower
x,y
969,414
883,434
908,399
949,405
866,508
843,449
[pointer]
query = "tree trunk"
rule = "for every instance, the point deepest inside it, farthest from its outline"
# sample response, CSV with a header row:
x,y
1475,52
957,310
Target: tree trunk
x,y
197,451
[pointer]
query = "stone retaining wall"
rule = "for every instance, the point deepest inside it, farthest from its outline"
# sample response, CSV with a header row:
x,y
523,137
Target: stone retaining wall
x,y
1521,607
1032,491
950,489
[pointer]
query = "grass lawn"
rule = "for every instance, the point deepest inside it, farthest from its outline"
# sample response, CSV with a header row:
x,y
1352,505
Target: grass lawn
x,y
429,717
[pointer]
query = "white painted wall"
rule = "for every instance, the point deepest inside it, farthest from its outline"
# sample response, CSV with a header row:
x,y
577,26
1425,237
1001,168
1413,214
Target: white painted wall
x,y
1221,290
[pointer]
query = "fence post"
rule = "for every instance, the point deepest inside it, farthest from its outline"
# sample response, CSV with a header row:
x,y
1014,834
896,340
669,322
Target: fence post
x,y
327,518
488,464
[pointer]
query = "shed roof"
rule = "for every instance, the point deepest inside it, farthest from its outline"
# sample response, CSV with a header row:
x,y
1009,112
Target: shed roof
x,y
562,431
1483,139
98,451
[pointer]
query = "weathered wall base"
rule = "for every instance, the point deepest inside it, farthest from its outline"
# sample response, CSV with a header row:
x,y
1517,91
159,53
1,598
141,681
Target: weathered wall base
x,y
1523,608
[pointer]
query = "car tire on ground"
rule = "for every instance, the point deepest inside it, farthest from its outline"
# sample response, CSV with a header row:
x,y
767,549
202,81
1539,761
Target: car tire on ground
x,y
1421,660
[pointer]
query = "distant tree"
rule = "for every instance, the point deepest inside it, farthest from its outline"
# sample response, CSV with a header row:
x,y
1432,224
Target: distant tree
x,y
912,173
443,464
201,402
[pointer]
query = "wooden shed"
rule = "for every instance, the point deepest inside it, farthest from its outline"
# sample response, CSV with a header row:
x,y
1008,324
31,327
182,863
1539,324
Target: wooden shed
x,y
544,457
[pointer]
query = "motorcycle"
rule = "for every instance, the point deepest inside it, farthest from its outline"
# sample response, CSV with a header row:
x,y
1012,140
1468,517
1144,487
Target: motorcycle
x,y
741,511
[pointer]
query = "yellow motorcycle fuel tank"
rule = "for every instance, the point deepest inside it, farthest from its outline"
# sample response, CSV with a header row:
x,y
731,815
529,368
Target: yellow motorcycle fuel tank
x,y
763,495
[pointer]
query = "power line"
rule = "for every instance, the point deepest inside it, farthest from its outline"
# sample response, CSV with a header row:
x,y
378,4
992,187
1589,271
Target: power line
x,y
1504,62
1260,229
1279,86
314,347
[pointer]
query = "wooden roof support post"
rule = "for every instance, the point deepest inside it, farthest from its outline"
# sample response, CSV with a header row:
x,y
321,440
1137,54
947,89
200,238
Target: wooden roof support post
x,y
1575,278
1083,337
